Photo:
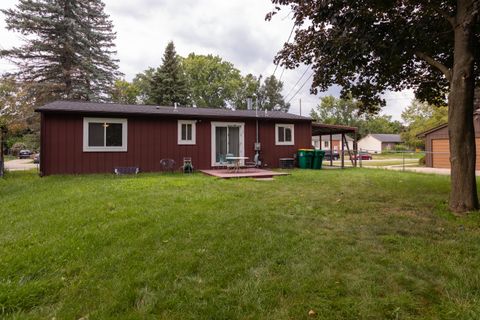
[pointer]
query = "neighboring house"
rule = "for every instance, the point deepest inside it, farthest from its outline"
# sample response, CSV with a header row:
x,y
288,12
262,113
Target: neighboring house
x,y
336,142
379,142
86,137
437,142
437,145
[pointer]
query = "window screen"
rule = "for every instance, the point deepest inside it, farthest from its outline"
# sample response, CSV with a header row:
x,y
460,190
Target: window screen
x,y
95,134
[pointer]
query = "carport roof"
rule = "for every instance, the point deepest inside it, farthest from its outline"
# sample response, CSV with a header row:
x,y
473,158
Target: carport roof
x,y
319,129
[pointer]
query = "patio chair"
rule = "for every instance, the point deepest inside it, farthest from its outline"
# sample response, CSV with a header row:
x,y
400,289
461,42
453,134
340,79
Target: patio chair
x,y
187,165
229,164
253,164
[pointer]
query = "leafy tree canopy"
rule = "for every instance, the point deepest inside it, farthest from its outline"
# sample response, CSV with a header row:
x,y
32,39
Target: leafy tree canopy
x,y
346,112
371,46
214,82
125,92
419,117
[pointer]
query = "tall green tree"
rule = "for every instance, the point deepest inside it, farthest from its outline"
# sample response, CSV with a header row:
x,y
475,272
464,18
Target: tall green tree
x,y
270,95
419,117
68,47
345,111
371,46
337,111
144,83
125,92
249,88
215,83
169,83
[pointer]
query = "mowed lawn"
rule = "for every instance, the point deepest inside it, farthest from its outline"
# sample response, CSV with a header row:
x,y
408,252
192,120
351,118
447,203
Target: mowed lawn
x,y
353,244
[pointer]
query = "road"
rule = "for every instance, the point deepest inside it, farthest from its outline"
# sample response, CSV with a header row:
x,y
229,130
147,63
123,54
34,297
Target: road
x,y
20,165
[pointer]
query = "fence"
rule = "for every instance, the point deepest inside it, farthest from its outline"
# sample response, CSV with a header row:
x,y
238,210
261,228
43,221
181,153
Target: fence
x,y
371,158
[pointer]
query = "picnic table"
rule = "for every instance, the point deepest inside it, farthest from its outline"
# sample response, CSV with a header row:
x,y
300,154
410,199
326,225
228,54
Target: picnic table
x,y
236,162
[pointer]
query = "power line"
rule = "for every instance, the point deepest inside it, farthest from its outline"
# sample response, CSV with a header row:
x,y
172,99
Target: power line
x,y
301,87
288,40
298,81
324,44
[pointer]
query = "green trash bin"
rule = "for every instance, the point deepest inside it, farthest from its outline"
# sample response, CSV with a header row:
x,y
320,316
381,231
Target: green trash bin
x,y
304,158
318,156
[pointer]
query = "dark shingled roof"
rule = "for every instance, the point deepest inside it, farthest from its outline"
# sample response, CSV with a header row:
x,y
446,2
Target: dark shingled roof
x,y
383,137
126,109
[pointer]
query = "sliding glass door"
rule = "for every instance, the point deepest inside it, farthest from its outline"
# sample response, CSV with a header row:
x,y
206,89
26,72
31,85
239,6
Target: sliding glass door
x,y
227,140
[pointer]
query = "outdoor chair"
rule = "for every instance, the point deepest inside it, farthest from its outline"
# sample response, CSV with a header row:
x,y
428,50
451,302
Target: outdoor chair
x,y
187,165
229,164
253,164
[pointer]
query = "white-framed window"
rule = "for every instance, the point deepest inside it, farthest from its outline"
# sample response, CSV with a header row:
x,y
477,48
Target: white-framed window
x,y
326,144
284,134
187,132
104,135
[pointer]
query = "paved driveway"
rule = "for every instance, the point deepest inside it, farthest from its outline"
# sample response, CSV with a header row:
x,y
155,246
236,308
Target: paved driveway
x,y
20,164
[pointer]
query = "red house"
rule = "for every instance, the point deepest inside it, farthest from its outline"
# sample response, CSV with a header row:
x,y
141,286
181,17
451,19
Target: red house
x,y
86,137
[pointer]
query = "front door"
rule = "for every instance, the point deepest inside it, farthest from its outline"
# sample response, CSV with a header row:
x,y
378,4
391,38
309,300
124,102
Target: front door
x,y
227,140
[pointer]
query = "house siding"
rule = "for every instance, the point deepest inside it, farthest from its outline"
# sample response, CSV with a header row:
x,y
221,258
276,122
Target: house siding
x,y
151,139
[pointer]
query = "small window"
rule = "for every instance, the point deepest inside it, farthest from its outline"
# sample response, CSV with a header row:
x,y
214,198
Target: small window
x,y
104,135
325,144
186,132
284,134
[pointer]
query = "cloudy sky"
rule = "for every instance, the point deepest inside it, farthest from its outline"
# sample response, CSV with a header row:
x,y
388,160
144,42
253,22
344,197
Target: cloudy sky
x,y
235,30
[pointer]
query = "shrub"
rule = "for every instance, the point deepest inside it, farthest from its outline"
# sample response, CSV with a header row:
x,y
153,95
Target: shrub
x,y
422,161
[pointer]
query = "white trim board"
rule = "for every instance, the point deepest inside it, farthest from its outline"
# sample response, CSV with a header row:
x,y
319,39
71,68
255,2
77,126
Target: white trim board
x,y
123,148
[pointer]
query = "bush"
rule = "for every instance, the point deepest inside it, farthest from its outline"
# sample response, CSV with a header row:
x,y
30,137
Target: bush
x,y
422,161
401,147
17,146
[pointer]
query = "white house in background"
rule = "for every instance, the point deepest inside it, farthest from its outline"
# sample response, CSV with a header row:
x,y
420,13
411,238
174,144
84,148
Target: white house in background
x,y
336,142
379,142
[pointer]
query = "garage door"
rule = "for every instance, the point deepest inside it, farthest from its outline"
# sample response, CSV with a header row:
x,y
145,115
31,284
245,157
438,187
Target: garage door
x,y
441,153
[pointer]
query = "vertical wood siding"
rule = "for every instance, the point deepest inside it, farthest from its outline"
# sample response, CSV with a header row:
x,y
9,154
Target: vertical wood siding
x,y
151,139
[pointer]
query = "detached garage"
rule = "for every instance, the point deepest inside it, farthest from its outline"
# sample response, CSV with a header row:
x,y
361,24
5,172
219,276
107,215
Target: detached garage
x,y
437,146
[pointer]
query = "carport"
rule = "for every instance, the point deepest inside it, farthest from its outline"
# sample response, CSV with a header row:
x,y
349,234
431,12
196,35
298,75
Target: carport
x,y
321,129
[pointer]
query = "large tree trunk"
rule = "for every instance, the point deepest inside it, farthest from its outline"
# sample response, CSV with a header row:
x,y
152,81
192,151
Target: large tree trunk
x,y
463,194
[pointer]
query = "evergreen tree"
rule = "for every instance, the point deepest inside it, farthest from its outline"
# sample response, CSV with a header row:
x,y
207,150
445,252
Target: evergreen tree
x,y
169,83
68,47
270,95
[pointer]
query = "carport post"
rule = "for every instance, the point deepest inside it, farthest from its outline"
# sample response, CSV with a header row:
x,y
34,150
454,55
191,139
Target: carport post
x,y
343,151
355,148
331,150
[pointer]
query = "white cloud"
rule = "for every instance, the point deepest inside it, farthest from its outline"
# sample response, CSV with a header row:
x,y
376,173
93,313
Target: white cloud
x,y
236,30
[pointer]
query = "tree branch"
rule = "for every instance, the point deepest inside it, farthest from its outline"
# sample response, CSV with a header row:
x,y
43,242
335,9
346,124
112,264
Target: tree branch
x,y
448,17
440,66
451,19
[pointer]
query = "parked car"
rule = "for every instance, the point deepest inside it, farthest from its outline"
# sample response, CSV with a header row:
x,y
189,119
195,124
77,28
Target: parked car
x,y
328,154
36,158
362,156
24,154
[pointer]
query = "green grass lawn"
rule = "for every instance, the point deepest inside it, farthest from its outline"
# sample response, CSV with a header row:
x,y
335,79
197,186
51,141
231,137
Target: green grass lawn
x,y
353,244
9,157
384,163
398,155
